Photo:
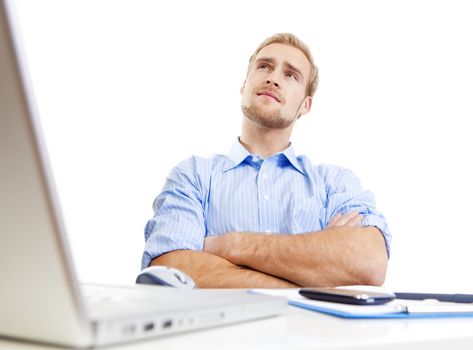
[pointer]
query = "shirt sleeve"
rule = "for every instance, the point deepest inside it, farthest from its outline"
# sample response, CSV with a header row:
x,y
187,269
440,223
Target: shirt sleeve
x,y
178,222
345,194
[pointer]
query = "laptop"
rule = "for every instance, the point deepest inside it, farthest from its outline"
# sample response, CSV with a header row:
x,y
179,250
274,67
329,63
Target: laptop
x,y
40,297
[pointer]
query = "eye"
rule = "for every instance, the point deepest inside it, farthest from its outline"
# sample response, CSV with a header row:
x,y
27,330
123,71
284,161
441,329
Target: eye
x,y
292,76
264,66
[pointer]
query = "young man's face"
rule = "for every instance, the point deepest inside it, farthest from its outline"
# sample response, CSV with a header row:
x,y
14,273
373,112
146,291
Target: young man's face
x,y
274,93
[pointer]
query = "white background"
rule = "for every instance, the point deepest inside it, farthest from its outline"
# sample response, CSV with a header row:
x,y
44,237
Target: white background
x,y
127,89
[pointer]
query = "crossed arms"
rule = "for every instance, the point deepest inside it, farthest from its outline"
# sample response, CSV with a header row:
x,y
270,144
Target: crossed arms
x,y
345,253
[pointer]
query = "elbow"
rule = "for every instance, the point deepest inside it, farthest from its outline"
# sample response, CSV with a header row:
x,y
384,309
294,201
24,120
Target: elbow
x,y
374,278
373,273
374,261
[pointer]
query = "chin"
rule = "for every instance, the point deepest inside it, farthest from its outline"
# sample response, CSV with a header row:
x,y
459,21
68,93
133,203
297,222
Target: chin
x,y
267,119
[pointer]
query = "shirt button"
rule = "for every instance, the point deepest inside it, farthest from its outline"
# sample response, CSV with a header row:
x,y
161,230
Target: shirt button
x,y
266,197
254,159
268,232
265,176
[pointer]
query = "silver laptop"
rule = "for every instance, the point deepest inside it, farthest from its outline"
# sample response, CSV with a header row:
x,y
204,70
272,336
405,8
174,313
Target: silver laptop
x,y
40,298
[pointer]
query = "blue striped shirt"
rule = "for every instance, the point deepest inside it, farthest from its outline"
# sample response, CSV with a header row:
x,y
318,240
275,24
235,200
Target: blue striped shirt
x,y
240,192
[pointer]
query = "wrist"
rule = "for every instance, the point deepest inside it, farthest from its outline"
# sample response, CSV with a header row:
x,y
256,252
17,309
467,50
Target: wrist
x,y
245,247
235,247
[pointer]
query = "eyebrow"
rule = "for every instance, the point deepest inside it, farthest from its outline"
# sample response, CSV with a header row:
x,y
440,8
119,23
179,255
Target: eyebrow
x,y
285,63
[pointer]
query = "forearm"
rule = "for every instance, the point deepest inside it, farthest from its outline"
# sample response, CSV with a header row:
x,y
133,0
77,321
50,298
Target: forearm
x,y
211,271
335,256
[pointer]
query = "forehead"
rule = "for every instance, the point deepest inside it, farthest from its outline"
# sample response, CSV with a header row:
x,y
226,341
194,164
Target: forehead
x,y
281,53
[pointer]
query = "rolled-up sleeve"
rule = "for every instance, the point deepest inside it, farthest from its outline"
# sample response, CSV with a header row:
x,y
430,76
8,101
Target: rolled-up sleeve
x,y
346,194
178,222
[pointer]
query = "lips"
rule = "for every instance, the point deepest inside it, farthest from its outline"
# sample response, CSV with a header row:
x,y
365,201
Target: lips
x,y
269,94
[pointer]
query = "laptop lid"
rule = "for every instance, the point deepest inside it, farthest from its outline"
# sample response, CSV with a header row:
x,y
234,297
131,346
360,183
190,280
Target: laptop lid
x,y
40,298
35,263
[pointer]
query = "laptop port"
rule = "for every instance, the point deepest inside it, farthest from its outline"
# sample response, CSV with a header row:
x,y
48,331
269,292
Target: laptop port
x,y
167,324
148,327
129,329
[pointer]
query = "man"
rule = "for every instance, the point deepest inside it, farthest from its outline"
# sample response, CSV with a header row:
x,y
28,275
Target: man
x,y
260,216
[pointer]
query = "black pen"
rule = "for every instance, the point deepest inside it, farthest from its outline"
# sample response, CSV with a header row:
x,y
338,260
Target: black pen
x,y
454,298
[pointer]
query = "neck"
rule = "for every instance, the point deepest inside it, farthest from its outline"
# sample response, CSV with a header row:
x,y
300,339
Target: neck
x,y
264,141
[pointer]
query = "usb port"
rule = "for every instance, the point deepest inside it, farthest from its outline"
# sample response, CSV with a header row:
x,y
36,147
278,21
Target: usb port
x,y
148,326
167,324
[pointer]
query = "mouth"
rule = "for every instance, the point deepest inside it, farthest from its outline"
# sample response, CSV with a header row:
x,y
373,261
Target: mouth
x,y
269,94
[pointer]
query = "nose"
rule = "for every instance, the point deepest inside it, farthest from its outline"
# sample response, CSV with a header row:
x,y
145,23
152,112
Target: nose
x,y
271,80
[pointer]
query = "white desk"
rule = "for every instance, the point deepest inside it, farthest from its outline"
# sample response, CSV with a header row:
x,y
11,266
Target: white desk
x,y
301,329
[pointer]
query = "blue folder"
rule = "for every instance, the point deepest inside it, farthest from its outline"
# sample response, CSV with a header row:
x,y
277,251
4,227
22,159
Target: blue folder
x,y
399,314
396,309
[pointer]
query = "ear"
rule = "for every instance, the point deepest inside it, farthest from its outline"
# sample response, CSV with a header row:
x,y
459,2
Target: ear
x,y
242,88
305,105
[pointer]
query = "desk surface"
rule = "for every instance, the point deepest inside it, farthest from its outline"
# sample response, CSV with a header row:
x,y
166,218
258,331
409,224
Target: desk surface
x,y
302,329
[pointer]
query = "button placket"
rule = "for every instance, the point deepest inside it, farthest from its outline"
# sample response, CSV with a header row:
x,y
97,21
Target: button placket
x,y
265,196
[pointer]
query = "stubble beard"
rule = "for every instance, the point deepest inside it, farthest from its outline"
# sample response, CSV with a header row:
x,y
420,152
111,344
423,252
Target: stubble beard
x,y
267,119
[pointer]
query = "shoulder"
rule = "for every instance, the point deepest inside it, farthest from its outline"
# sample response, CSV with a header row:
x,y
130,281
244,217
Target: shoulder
x,y
198,170
331,175
200,165
326,172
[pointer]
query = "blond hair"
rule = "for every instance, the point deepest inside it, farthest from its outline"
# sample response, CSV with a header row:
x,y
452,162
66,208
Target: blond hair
x,y
291,40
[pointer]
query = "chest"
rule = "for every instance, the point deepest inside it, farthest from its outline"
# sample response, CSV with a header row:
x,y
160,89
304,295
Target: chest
x,y
270,200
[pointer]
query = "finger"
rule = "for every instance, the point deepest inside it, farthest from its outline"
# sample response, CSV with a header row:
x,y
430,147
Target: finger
x,y
209,244
355,222
346,218
334,220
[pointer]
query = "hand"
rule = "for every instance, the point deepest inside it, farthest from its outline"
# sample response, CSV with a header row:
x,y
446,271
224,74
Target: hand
x,y
227,246
212,244
350,219
220,245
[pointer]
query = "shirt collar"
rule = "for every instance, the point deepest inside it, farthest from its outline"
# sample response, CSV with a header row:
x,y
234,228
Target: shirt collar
x,y
291,157
238,154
